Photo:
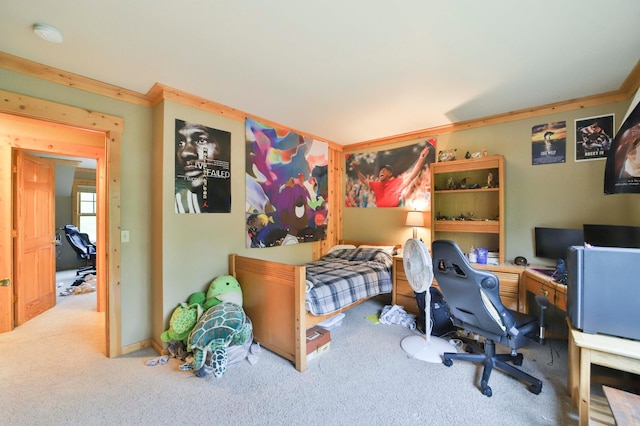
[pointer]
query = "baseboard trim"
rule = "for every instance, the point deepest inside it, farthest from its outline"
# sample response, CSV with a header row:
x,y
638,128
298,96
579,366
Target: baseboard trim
x,y
140,345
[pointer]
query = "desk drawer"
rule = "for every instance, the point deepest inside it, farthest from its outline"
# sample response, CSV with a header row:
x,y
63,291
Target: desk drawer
x,y
557,298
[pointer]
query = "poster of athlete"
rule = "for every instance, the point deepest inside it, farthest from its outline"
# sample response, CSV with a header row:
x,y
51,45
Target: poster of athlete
x,y
391,178
202,169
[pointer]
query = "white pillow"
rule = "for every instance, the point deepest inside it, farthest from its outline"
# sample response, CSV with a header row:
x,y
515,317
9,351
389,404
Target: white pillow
x,y
388,249
341,247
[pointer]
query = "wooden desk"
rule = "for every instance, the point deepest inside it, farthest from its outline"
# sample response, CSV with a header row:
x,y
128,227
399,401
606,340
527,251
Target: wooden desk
x,y
543,285
509,276
608,351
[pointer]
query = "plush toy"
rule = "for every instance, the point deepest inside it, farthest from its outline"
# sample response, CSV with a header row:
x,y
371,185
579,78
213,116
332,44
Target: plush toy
x,y
222,325
225,288
184,318
199,297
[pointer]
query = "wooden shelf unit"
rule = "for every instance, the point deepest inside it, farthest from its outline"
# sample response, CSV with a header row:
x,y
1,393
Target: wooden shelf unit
x,y
482,206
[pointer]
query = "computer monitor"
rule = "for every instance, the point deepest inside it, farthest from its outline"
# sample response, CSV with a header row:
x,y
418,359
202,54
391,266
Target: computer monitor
x,y
612,235
552,243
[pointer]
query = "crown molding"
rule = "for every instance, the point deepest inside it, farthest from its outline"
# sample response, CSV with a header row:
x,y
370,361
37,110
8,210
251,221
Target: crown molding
x,y
160,92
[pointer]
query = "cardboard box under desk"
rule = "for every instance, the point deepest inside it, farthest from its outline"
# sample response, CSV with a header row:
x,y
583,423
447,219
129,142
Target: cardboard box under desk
x,y
317,337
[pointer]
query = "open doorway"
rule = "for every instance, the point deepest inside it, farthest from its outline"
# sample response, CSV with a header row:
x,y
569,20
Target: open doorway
x,y
36,125
76,225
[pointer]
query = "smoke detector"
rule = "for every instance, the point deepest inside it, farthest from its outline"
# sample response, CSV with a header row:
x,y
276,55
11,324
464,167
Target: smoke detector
x,y
48,33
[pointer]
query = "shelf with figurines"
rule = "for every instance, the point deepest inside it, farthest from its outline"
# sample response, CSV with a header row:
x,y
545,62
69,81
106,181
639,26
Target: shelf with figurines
x,y
482,180
467,201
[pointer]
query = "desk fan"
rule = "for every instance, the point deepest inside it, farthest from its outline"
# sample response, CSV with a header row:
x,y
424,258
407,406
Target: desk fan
x,y
419,271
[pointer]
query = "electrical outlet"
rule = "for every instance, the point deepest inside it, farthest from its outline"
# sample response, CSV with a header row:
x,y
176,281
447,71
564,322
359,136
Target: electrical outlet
x,y
124,236
5,282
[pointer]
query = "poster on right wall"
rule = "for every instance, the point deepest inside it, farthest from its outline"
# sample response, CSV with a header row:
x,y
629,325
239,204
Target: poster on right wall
x,y
549,143
593,137
622,171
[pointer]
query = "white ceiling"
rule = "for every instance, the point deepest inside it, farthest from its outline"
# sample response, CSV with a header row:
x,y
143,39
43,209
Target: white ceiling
x,y
344,70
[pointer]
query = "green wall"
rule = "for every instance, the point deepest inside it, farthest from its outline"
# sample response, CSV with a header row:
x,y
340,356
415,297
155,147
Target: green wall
x,y
137,184
169,256
190,250
555,195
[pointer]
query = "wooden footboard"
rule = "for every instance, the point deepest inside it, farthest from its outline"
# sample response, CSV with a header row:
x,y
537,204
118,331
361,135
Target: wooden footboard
x,y
274,299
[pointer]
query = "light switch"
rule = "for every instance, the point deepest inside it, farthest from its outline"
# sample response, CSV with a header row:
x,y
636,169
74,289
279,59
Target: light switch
x,y
124,236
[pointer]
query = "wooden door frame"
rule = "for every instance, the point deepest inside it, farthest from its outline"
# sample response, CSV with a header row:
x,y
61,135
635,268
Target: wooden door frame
x,y
107,182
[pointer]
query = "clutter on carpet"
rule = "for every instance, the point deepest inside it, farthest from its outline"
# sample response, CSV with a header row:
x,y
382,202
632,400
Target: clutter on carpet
x,y
86,284
397,315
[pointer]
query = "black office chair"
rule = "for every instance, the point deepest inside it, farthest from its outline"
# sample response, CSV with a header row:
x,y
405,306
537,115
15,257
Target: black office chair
x,y
474,301
83,247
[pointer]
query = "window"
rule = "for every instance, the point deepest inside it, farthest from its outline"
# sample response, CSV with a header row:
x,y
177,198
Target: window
x,y
87,213
85,207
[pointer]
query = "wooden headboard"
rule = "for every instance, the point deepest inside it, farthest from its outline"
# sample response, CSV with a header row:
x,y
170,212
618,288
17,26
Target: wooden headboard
x,y
358,243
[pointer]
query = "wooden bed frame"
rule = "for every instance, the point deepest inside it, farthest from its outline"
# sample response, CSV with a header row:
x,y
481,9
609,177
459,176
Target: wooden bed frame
x,y
274,298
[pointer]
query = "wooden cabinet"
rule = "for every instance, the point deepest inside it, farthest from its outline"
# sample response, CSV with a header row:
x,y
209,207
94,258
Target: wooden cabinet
x,y
467,203
510,286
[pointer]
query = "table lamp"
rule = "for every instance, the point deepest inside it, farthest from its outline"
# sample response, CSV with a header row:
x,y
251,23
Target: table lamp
x,y
415,219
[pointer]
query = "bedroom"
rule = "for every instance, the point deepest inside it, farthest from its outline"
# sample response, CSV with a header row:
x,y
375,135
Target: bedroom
x,y
158,265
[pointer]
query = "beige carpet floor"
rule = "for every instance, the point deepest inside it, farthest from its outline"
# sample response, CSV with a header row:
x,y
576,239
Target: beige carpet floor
x,y
53,371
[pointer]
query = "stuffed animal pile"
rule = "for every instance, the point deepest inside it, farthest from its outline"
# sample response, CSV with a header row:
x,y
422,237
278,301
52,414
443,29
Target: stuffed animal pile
x,y
207,326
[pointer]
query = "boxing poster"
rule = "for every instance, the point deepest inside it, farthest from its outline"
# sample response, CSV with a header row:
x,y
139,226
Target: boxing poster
x,y
593,137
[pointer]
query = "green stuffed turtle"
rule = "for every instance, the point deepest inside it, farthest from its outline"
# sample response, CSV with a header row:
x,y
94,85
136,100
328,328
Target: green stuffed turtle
x,y
219,327
224,288
183,319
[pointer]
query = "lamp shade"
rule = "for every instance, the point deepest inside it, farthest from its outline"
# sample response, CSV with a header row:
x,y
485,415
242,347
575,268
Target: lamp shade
x,y
415,218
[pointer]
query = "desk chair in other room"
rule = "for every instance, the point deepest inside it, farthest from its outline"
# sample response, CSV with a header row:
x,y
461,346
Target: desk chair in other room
x,y
83,247
473,297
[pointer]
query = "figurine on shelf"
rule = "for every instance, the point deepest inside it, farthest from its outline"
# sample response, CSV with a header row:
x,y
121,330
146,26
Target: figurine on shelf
x,y
450,183
491,182
447,155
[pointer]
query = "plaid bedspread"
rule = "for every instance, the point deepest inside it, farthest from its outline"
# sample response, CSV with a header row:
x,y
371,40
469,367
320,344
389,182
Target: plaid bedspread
x,y
343,277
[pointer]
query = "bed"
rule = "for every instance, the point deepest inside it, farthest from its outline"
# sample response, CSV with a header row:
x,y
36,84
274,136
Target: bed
x,y
275,295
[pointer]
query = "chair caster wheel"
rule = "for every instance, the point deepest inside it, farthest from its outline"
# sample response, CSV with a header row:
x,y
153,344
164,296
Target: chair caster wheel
x,y
447,362
486,391
536,389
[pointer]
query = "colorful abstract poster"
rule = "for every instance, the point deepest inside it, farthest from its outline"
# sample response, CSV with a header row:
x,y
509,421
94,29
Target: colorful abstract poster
x,y
391,178
593,137
287,187
622,171
549,143
202,169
